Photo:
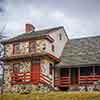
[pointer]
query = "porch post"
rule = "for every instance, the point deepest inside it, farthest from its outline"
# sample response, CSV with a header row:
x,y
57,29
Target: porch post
x,y
94,73
69,75
78,75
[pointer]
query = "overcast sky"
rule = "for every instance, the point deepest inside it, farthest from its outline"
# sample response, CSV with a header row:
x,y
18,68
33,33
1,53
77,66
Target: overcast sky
x,y
79,17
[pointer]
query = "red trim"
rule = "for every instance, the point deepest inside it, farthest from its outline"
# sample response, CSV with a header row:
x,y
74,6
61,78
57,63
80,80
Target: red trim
x,y
21,78
14,48
45,79
82,80
31,55
48,37
63,82
53,57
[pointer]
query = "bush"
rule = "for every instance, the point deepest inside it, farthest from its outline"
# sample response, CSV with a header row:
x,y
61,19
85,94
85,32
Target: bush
x,y
52,96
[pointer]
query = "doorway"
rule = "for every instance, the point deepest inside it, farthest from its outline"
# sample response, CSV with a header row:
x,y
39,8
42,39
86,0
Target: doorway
x,y
35,73
74,76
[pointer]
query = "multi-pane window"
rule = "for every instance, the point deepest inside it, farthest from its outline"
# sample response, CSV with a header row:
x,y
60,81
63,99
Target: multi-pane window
x,y
16,68
32,46
16,48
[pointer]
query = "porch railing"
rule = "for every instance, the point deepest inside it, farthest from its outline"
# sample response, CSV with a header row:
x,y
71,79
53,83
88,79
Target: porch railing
x,y
90,79
62,81
21,78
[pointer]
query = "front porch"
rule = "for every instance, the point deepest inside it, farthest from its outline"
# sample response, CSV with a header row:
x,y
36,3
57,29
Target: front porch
x,y
76,76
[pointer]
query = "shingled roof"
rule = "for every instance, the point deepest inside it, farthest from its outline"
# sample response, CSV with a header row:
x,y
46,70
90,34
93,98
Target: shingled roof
x,y
38,33
81,51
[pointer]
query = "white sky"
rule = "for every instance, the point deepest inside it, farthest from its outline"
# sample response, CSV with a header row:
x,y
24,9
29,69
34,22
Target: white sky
x,y
79,17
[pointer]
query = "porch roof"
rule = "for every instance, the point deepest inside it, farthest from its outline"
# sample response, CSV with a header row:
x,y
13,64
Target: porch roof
x,y
84,51
76,66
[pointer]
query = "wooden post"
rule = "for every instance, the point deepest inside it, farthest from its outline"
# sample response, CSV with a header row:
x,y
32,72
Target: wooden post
x,y
79,75
94,74
94,71
69,75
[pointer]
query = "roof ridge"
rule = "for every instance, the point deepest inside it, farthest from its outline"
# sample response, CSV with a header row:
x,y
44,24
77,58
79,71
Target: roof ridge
x,y
85,37
32,34
49,28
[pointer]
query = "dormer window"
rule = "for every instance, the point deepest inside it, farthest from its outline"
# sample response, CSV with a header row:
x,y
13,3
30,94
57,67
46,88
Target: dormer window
x,y
60,36
53,47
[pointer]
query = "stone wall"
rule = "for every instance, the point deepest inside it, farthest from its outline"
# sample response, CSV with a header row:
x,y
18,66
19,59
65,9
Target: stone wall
x,y
25,66
8,49
7,77
24,47
45,69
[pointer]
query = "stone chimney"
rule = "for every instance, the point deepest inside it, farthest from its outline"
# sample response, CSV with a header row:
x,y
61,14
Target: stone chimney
x,y
29,28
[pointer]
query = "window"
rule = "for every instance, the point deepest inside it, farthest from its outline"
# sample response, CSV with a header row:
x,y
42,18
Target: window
x,y
97,70
44,46
60,36
50,68
53,48
16,68
32,46
16,48
64,72
85,71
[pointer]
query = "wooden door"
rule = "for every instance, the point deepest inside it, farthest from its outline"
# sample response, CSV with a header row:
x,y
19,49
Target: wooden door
x,y
35,73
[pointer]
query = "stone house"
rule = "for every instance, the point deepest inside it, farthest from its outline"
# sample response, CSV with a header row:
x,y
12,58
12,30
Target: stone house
x,y
48,58
30,58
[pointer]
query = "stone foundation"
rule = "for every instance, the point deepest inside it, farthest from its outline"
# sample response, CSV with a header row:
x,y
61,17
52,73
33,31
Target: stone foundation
x,y
28,88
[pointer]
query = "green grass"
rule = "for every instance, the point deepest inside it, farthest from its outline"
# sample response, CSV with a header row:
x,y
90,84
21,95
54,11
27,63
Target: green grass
x,y
52,96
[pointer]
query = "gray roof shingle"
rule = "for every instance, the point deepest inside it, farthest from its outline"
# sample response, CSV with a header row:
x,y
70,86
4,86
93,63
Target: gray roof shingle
x,y
82,51
32,34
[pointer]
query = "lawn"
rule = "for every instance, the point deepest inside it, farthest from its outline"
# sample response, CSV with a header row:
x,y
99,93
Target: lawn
x,y
52,96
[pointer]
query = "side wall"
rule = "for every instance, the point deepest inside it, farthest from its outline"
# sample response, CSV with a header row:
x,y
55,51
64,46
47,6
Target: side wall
x,y
45,71
25,66
58,44
24,48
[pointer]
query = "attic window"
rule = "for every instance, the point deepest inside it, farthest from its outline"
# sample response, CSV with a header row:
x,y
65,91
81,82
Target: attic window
x,y
53,48
60,36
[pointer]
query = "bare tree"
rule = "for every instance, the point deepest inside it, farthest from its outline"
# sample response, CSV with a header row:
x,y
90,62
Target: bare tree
x,y
1,63
2,32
